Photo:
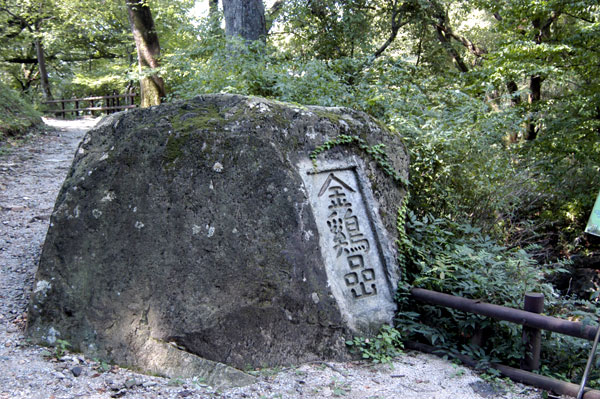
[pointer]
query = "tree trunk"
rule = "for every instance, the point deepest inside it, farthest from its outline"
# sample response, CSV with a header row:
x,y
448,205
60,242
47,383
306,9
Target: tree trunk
x,y
148,51
515,100
41,61
543,33
535,95
396,23
213,7
458,61
272,14
245,18
214,18
439,18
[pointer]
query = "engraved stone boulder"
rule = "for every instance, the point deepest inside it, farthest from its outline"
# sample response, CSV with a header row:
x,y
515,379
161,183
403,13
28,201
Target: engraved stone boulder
x,y
199,238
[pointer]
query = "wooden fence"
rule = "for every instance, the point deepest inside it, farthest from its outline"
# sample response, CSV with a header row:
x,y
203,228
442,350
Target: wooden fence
x,y
91,105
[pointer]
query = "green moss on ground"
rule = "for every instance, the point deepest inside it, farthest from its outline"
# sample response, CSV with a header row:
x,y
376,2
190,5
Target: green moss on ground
x,y
16,116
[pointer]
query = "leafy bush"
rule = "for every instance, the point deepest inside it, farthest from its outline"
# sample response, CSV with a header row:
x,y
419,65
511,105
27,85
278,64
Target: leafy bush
x,y
459,259
380,349
16,116
504,209
464,163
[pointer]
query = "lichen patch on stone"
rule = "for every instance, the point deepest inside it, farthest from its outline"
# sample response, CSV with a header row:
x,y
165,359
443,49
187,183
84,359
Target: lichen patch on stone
x,y
218,167
110,195
210,231
42,286
52,335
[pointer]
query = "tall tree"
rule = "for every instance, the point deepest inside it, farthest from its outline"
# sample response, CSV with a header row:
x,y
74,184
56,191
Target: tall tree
x,y
554,45
541,25
41,61
152,86
245,18
214,17
27,20
213,7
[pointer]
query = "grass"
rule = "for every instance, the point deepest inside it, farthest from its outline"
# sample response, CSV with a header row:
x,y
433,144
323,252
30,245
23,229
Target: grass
x,y
16,115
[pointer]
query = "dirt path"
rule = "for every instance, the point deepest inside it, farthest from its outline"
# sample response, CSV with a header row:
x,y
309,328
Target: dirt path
x,y
30,178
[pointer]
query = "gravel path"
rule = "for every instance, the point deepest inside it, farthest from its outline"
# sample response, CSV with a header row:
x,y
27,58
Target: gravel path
x,y
30,177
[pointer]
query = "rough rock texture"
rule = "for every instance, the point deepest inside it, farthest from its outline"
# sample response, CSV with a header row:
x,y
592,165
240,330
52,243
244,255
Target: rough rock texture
x,y
183,236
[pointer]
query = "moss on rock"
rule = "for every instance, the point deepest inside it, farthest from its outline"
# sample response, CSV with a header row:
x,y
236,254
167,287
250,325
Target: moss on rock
x,y
190,223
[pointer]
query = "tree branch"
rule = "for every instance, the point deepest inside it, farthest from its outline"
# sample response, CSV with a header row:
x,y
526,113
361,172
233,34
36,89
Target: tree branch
x,y
33,60
13,22
272,14
396,25
460,64
473,48
591,21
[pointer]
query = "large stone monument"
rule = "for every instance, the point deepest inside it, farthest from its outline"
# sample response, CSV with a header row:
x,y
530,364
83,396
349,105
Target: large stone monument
x,y
200,238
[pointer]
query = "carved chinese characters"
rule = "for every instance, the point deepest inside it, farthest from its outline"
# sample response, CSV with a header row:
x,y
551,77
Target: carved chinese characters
x,y
347,239
350,240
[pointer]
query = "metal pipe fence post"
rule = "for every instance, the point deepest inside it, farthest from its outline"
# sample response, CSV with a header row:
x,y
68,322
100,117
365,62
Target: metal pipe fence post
x,y
532,337
588,366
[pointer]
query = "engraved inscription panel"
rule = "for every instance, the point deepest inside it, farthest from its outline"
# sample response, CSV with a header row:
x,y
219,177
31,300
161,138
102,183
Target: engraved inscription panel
x,y
346,237
344,215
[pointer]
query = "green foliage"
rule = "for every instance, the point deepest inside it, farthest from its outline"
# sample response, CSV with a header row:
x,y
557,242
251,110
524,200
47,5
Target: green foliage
x,y
175,382
380,349
89,49
104,367
330,29
463,165
460,259
339,388
61,347
16,116
503,206
375,152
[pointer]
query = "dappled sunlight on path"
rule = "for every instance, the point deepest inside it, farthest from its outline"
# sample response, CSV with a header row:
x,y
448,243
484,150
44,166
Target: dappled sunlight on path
x,y
84,123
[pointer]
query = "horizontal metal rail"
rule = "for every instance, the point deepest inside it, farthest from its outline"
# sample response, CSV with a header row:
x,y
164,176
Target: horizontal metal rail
x,y
529,319
532,322
525,377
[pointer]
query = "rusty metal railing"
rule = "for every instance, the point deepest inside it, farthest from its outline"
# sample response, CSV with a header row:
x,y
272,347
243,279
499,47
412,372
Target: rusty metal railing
x,y
532,323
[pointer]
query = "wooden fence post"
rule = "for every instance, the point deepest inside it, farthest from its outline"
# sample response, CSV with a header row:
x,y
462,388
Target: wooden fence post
x,y
532,337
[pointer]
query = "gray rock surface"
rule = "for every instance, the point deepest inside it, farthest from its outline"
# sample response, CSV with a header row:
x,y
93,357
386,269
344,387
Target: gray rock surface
x,y
30,179
185,235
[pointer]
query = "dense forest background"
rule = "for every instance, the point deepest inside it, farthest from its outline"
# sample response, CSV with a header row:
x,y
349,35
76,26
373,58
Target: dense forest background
x,y
498,103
